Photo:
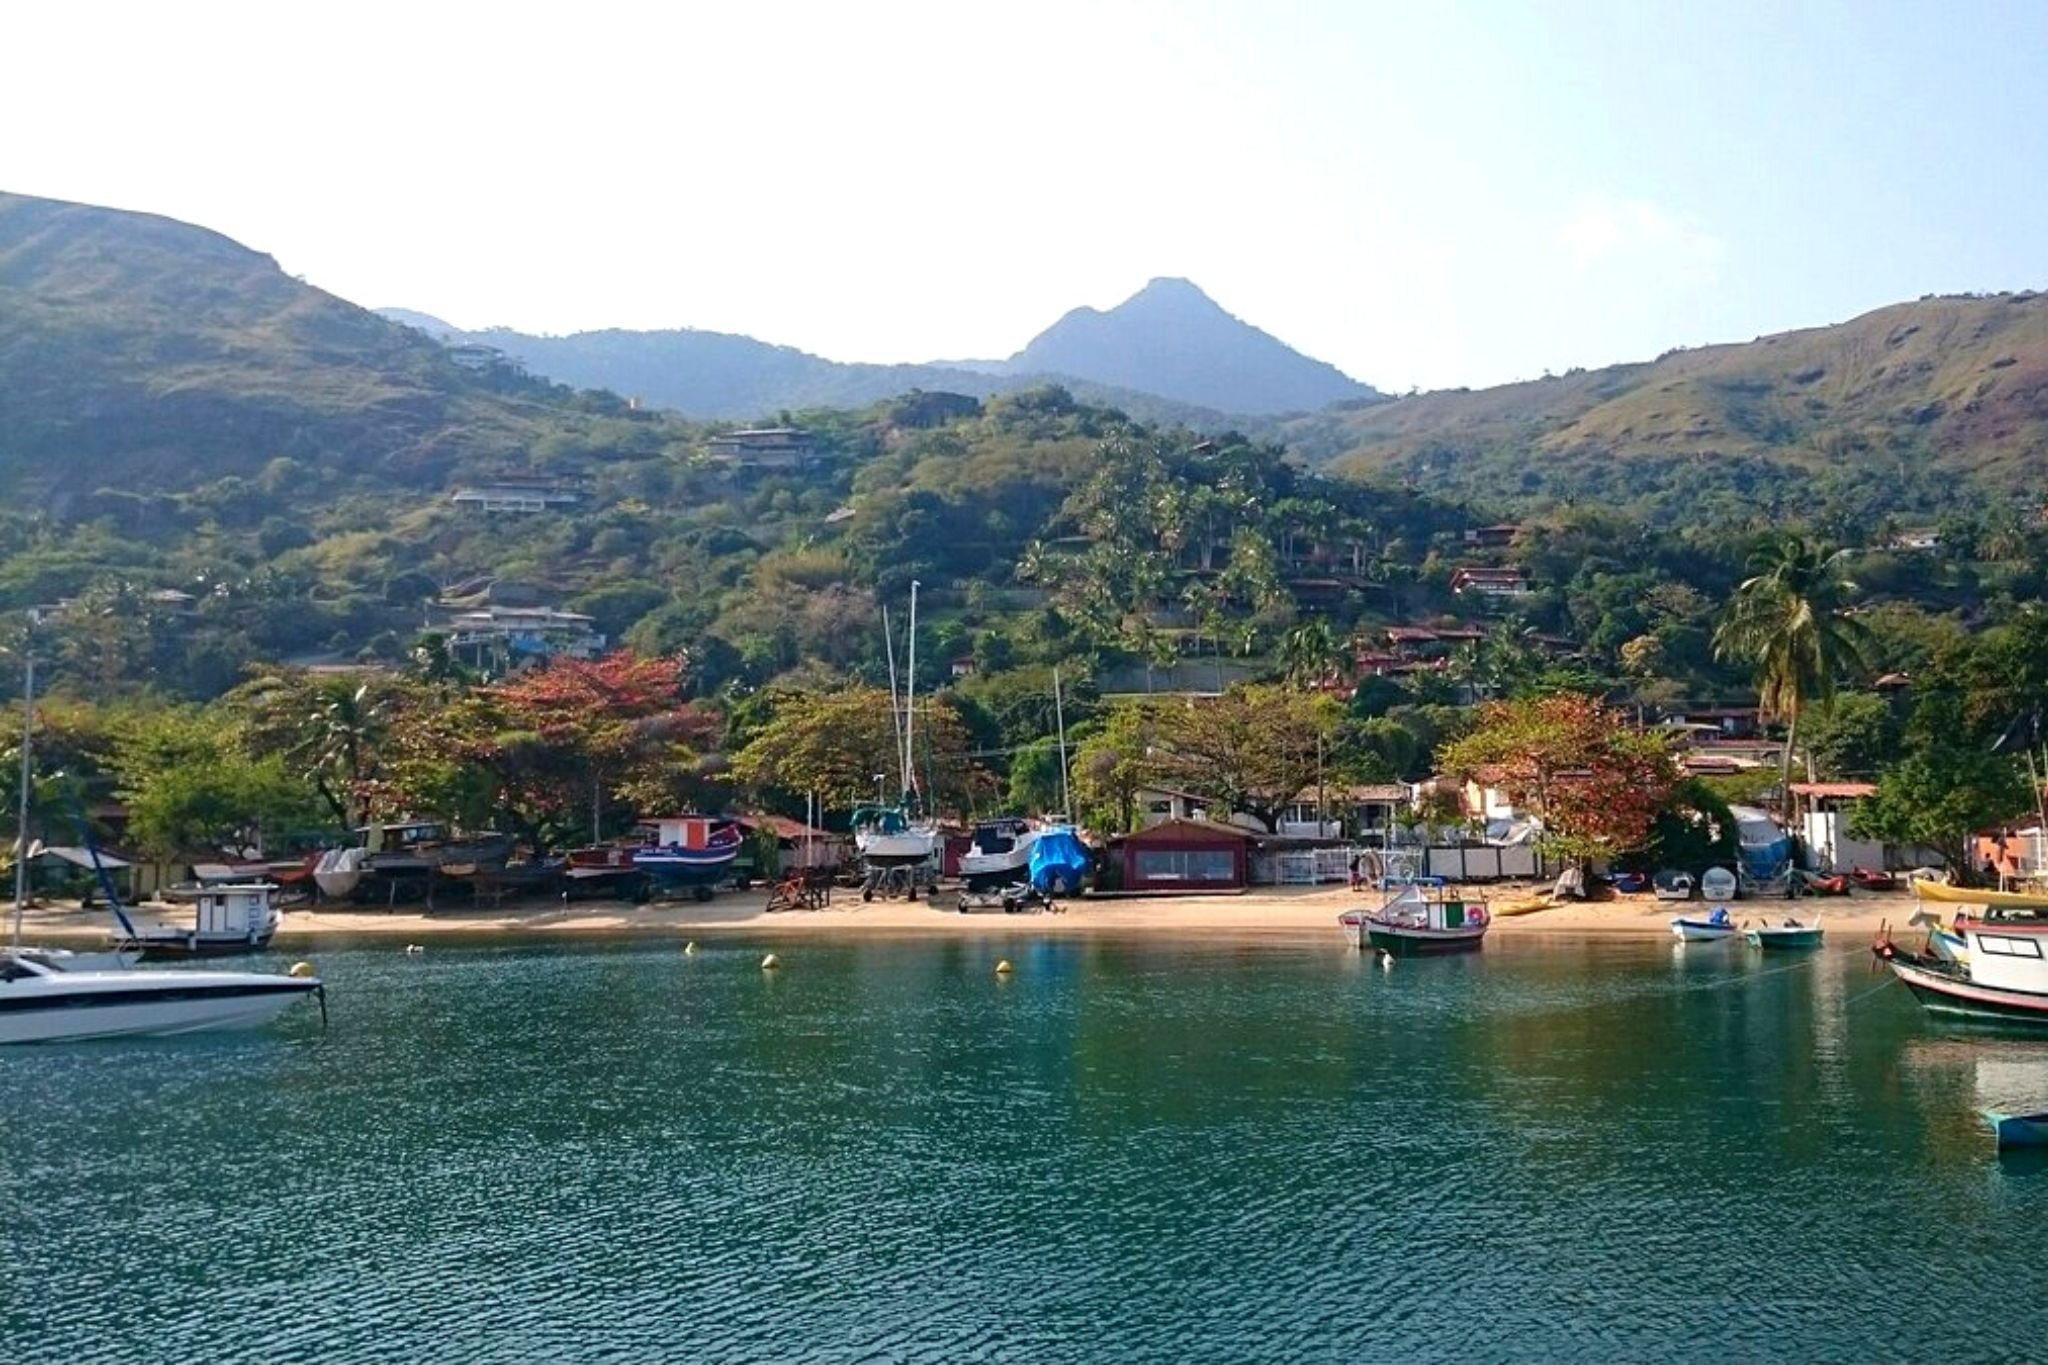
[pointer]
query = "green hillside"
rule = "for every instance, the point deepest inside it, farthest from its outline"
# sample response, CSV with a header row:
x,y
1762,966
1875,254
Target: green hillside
x,y
141,353
1925,403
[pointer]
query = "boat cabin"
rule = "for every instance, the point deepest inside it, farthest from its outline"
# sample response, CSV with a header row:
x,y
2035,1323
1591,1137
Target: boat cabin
x,y
688,831
237,911
2007,954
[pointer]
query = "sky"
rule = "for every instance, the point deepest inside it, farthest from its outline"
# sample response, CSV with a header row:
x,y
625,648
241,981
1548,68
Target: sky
x,y
1426,195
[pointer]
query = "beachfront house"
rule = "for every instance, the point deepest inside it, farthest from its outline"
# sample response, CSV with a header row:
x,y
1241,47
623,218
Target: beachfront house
x,y
1180,856
1829,842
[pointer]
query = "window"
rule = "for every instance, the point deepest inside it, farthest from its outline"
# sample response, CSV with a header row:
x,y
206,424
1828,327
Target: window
x,y
1996,945
1200,865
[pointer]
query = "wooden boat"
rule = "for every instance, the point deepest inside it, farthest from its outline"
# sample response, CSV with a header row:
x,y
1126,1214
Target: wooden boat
x,y
1963,895
1705,928
690,853
2017,1130
2003,979
1789,935
236,918
1420,917
1632,883
1672,885
1867,880
1821,884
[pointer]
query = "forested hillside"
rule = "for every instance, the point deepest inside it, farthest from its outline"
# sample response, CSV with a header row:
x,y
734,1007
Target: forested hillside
x,y
1914,408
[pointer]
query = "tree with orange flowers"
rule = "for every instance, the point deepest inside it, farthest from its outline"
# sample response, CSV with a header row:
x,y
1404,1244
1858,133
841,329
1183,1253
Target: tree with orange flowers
x,y
1596,782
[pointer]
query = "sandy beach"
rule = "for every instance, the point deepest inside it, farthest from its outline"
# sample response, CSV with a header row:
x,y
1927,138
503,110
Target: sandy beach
x,y
1270,913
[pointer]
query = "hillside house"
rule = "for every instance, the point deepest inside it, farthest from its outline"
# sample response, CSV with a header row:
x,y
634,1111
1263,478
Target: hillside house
x,y
1489,582
515,494
765,448
521,633
1492,537
471,356
1919,541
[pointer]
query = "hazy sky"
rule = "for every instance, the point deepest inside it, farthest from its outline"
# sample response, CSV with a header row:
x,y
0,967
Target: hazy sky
x,y
1423,193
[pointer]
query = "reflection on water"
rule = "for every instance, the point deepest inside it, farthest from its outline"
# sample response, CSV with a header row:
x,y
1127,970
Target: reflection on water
x,y
1128,1150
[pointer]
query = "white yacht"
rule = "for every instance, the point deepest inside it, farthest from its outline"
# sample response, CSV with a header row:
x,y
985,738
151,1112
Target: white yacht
x,y
44,999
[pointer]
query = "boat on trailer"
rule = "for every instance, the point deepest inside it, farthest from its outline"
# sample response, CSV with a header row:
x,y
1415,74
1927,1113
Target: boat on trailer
x,y
1421,916
999,855
2002,980
1711,928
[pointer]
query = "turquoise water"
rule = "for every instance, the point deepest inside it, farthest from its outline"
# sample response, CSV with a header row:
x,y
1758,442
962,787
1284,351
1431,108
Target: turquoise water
x,y
1130,1151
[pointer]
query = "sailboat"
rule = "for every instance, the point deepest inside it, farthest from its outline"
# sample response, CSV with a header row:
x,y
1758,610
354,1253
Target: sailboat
x,y
893,844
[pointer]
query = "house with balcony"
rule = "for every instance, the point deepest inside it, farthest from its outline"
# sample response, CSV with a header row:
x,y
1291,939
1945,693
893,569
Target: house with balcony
x,y
515,494
509,636
774,449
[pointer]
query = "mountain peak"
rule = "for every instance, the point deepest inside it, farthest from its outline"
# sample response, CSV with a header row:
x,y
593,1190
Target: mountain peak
x,y
1172,339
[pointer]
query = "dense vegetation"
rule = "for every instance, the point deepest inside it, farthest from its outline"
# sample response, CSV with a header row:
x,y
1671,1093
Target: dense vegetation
x,y
220,476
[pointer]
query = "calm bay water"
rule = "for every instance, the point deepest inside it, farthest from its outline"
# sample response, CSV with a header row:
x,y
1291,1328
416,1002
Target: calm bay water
x,y
1128,1151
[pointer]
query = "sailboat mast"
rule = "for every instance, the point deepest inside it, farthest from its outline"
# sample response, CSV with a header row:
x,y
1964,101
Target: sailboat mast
x,y
28,728
1059,715
910,692
895,715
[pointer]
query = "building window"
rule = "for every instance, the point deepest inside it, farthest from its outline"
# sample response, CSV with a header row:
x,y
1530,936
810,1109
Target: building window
x,y
1185,865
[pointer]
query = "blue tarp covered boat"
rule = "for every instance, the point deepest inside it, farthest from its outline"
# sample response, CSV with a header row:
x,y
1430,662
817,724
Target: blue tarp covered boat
x,y
1058,861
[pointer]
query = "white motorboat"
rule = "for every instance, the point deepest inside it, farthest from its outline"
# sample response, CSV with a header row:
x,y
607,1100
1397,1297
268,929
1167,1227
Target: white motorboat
x,y
42,999
1706,928
1000,854
1672,885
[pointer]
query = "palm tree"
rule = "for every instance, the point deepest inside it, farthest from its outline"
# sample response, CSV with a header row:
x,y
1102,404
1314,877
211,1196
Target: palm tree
x,y
1790,621
1311,652
340,730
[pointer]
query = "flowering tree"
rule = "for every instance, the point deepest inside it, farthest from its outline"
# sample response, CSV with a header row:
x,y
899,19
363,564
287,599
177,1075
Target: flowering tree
x,y
1597,784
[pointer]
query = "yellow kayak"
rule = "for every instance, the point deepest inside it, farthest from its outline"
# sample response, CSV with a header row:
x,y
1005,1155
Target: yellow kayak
x,y
1963,895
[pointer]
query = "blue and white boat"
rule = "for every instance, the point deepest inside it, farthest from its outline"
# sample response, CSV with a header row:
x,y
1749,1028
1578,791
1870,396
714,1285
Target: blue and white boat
x,y
1710,928
689,853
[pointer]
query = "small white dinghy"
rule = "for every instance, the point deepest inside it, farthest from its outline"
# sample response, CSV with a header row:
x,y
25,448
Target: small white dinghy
x,y
1672,885
1717,884
1705,928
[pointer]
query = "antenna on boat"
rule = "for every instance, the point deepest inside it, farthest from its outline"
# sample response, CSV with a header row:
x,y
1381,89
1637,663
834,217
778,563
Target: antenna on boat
x,y
28,729
1059,715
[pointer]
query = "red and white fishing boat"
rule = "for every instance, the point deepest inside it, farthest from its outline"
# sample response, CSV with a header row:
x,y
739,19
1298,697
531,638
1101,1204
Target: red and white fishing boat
x,y
2002,977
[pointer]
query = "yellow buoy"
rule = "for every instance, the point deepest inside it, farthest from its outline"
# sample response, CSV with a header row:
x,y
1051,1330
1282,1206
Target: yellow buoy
x,y
770,963
303,969
690,947
1004,968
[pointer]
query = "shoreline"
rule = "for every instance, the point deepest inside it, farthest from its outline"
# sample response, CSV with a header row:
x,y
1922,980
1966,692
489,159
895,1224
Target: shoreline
x,y
1274,914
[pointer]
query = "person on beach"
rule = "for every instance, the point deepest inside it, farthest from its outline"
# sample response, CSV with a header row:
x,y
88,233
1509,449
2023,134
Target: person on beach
x,y
1354,872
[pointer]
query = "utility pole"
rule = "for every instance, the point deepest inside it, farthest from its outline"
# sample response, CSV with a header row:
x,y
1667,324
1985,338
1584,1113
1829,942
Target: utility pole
x,y
1059,715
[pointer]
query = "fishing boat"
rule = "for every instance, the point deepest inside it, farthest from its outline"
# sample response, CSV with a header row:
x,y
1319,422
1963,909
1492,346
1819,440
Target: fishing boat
x,y
1420,916
690,853
2003,978
2017,1130
43,998
1990,900
603,870
1779,937
1705,928
1672,885
234,918
999,855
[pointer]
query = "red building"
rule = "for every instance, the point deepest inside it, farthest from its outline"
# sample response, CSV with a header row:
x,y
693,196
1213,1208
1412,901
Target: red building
x,y
1187,855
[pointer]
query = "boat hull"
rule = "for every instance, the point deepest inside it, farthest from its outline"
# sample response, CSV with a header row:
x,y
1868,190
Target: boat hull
x,y
2017,1130
151,1010
1702,931
1785,940
1945,989
154,947
1962,895
1403,942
